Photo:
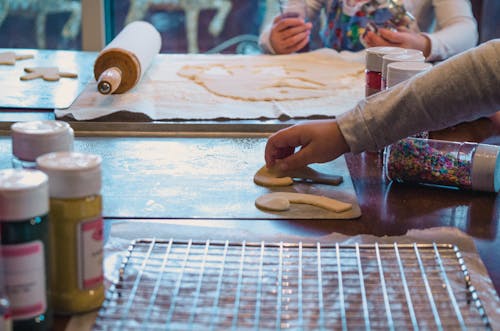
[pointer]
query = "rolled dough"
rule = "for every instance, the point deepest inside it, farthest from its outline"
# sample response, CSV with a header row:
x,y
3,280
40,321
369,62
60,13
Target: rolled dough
x,y
288,77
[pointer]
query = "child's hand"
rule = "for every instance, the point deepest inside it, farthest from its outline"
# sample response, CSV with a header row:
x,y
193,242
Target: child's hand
x,y
319,142
289,35
401,38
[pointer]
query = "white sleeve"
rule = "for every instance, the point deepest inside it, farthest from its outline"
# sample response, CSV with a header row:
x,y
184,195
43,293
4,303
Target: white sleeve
x,y
460,89
455,31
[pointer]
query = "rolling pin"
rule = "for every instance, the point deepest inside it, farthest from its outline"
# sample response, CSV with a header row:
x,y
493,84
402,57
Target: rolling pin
x,y
123,62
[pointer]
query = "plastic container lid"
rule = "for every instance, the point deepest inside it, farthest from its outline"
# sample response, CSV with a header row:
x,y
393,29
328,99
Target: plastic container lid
x,y
35,138
71,174
374,56
24,194
485,174
401,71
411,55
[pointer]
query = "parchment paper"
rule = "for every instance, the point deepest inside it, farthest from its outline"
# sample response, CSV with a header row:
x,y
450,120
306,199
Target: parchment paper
x,y
164,95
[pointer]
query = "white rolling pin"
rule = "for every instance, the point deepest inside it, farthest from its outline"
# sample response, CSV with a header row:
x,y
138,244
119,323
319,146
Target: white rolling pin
x,y
123,62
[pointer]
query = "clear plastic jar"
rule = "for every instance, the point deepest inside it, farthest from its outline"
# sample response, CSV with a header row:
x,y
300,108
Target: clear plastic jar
x,y
462,165
76,227
34,138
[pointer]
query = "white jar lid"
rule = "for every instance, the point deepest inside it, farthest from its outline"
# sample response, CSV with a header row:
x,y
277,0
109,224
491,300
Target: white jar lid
x,y
401,71
35,138
374,55
485,174
71,174
24,194
415,56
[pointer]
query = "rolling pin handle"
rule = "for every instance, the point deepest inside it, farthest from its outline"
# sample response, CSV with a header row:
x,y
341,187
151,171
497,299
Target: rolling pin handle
x,y
109,80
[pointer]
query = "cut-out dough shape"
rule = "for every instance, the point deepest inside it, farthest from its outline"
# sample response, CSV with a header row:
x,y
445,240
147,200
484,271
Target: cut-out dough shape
x,y
280,201
51,74
10,58
273,177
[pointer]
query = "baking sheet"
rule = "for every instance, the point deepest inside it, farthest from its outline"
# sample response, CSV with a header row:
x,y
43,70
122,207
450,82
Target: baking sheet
x,y
193,177
41,94
164,95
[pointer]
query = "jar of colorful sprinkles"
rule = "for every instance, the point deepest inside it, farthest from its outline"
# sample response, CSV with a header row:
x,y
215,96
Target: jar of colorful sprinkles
x,y
462,165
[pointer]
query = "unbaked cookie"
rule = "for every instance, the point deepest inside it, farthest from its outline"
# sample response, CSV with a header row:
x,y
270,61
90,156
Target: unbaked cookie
x,y
46,73
10,58
280,201
273,177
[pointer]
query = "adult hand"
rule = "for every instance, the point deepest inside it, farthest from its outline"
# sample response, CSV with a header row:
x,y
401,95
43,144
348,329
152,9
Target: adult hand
x,y
289,35
319,142
400,38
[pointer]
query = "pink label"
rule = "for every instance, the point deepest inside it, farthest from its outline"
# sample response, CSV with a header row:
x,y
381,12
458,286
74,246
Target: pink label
x,y
90,254
25,279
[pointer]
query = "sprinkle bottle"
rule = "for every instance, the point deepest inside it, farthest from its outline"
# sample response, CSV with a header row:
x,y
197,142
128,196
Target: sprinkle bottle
x,y
34,138
76,226
373,72
24,205
398,72
410,55
463,165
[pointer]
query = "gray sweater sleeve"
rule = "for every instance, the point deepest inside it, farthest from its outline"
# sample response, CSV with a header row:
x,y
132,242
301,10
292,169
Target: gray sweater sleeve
x,y
463,88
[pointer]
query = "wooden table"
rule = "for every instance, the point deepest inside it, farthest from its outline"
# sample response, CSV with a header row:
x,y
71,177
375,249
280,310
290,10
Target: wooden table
x,y
388,209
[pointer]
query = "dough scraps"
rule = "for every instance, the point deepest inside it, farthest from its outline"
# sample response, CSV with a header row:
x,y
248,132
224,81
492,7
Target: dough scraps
x,y
10,58
47,73
280,201
273,177
278,78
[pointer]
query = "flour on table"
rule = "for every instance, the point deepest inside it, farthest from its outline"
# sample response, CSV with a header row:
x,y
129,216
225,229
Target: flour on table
x,y
279,78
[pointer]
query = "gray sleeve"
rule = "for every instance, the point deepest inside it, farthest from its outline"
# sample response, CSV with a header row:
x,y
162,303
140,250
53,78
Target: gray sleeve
x,y
463,88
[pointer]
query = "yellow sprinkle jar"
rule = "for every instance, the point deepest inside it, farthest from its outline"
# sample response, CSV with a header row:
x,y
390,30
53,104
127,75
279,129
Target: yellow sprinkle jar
x,y
76,229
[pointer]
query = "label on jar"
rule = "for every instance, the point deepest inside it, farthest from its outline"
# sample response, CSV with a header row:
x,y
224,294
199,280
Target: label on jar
x,y
5,323
90,253
25,279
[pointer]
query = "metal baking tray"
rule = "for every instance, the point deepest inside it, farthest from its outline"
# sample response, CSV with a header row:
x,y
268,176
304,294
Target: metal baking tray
x,y
196,176
197,285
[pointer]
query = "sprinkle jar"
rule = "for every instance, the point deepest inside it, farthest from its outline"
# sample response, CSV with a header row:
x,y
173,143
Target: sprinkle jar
x,y
398,72
462,165
34,138
24,230
76,227
373,71
410,55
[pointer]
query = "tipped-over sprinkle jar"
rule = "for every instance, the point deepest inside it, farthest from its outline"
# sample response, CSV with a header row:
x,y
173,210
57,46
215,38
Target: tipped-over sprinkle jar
x,y
76,227
462,165
24,205
34,138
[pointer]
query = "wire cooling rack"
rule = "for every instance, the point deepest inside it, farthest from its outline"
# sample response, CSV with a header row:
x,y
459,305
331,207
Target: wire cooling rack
x,y
187,285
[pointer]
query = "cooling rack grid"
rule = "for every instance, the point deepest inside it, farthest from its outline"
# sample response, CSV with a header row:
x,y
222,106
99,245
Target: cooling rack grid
x,y
196,285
